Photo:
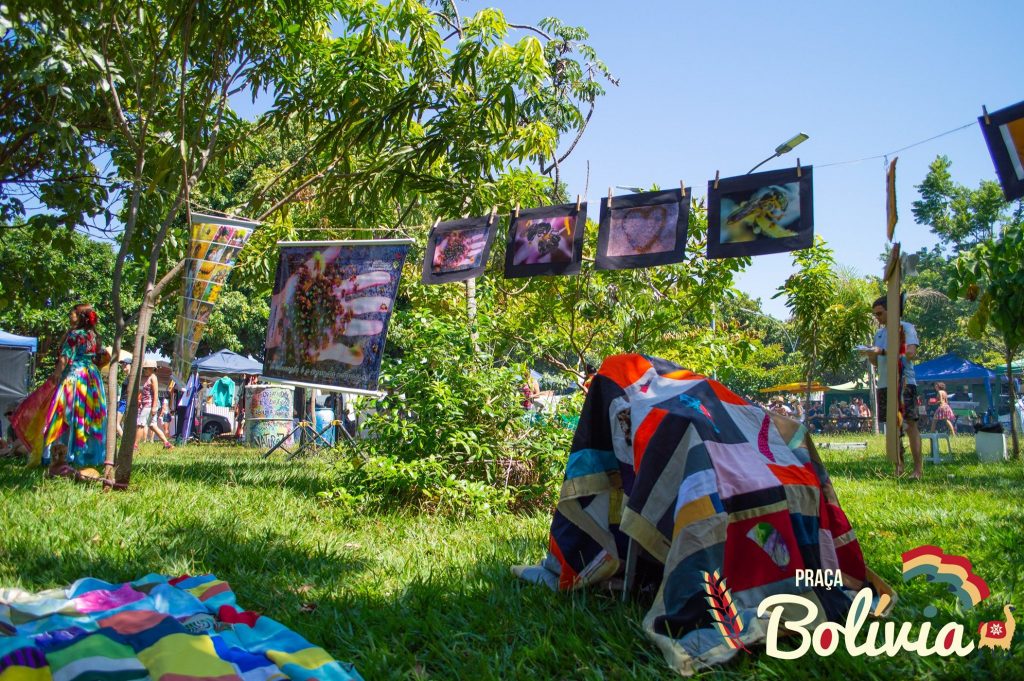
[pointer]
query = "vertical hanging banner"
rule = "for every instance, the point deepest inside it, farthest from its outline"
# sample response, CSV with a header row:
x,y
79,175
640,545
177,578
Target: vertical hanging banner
x,y
1004,135
643,230
330,310
458,250
544,241
213,250
761,213
890,200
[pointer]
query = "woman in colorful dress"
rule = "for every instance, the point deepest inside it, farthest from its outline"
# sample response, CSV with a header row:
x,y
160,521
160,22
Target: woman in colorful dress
x,y
77,418
944,412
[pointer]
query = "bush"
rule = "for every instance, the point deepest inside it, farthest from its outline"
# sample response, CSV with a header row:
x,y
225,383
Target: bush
x,y
451,436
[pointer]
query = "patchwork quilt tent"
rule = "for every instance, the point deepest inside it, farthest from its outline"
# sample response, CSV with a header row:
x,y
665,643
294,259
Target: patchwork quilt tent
x,y
712,489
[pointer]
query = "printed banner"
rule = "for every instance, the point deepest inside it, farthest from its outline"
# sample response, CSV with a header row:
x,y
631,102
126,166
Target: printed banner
x,y
546,240
642,230
458,250
213,251
1004,134
330,310
760,213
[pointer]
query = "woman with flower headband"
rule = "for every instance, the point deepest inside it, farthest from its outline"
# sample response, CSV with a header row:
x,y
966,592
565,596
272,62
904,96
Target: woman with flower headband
x,y
77,417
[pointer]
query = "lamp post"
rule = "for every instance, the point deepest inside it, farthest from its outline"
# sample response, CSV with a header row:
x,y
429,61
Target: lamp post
x,y
783,148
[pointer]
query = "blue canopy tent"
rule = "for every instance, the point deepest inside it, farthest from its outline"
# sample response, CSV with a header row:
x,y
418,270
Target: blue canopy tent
x,y
221,362
227,362
951,368
17,364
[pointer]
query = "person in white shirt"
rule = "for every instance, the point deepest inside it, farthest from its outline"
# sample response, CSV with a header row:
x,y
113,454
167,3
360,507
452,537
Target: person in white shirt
x,y
876,355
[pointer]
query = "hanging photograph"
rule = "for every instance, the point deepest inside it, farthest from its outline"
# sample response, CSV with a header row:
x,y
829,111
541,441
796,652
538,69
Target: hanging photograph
x,y
762,213
1004,134
329,312
544,241
642,230
213,250
458,250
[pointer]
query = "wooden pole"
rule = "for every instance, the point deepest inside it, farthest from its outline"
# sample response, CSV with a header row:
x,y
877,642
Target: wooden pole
x,y
892,354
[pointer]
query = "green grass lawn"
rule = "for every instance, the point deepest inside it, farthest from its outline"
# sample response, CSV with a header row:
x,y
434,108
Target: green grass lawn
x,y
418,596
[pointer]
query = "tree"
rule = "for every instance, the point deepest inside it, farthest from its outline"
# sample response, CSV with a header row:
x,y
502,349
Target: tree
x,y
569,322
962,217
831,314
388,112
43,280
992,272
942,322
50,114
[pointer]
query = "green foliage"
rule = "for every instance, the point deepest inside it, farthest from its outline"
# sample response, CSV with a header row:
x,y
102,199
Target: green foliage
x,y
50,89
960,216
942,321
452,434
43,279
831,313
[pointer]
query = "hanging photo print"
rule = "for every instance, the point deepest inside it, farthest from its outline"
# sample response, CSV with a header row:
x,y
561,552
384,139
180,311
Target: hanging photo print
x,y
1004,134
213,249
543,241
641,230
762,213
329,312
458,250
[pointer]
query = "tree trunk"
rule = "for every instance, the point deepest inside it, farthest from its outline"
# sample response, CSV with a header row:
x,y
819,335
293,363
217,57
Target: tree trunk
x,y
123,472
1013,402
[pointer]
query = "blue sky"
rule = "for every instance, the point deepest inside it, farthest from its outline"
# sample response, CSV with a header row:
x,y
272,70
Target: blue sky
x,y
717,85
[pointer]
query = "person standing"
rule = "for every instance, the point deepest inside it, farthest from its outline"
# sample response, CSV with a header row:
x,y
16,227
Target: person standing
x,y
943,412
148,393
908,382
77,417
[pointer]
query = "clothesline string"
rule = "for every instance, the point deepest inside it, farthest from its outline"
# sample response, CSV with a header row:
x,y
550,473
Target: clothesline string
x,y
892,153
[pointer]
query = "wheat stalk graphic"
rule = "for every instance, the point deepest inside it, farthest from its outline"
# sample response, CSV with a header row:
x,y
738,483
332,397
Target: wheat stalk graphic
x,y
722,610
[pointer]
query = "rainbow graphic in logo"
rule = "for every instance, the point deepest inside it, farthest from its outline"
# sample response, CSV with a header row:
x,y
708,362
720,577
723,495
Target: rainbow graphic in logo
x,y
956,571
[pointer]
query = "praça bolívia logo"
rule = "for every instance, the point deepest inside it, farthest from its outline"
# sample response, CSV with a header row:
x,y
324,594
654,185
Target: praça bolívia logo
x,y
879,638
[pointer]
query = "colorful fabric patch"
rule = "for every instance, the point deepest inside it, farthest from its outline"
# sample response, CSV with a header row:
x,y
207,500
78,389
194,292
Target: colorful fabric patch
x,y
768,538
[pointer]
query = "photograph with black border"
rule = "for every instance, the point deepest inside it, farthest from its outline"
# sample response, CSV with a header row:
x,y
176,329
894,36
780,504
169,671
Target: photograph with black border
x,y
546,241
761,213
643,230
458,250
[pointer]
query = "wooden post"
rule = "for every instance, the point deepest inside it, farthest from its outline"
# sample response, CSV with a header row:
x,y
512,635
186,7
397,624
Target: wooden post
x,y
892,354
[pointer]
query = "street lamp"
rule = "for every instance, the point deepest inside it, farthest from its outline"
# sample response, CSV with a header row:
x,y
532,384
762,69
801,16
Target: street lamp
x,y
783,148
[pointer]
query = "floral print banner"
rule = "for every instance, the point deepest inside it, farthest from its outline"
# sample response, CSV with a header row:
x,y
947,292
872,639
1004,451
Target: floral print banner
x,y
330,310
458,250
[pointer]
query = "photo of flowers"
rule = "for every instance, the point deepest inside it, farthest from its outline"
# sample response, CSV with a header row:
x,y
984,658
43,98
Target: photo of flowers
x,y
546,241
1004,135
761,213
642,230
329,311
458,250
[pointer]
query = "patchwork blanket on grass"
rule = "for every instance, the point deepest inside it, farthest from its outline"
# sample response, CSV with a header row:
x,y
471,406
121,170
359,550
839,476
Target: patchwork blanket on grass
x,y
712,488
153,628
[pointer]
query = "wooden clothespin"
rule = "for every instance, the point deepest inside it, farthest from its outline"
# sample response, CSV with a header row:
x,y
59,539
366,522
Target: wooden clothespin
x,y
682,188
436,223
984,113
799,173
716,179
609,197
579,201
494,214
516,213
